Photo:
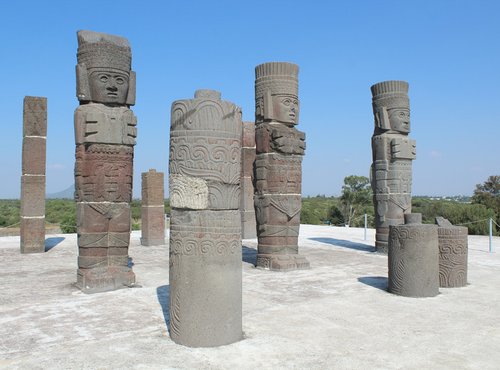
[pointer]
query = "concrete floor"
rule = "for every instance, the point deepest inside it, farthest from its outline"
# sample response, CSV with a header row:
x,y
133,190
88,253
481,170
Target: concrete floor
x,y
337,315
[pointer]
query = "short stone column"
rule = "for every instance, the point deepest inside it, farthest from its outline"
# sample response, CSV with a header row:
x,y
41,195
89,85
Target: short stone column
x,y
453,251
33,175
205,225
248,226
152,209
413,258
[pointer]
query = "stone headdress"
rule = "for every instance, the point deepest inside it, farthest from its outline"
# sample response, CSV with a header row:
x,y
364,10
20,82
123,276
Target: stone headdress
x,y
274,78
388,95
102,51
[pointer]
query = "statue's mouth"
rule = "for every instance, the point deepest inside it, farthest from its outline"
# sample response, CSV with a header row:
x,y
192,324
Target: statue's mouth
x,y
112,94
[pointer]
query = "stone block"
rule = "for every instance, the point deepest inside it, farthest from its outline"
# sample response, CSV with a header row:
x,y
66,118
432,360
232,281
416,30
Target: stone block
x,y
282,262
152,188
103,173
248,225
104,279
248,135
246,194
188,192
32,235
35,116
413,258
278,174
153,225
223,196
209,157
103,217
34,149
32,196
247,161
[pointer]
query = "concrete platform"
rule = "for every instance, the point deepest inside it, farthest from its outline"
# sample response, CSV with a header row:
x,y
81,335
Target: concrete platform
x,y
337,315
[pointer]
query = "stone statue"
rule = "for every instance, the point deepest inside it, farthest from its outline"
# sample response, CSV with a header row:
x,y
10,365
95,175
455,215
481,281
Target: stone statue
x,y
105,132
205,224
32,228
393,152
278,166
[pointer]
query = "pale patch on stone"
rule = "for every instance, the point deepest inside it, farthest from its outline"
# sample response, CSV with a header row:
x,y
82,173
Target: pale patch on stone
x,y
188,192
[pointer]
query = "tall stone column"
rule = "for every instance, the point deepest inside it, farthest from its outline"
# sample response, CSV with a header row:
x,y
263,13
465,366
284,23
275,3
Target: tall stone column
x,y
393,152
248,226
33,175
105,132
152,209
205,224
278,167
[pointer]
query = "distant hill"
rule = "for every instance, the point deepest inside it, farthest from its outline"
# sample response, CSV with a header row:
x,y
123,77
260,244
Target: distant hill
x,y
68,193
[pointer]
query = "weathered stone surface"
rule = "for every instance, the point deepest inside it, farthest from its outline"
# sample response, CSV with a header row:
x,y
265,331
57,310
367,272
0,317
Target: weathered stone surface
x,y
34,149
32,213
33,196
152,188
392,152
105,133
152,208
205,226
453,252
103,173
278,167
248,153
188,192
205,277
35,116
32,235
413,258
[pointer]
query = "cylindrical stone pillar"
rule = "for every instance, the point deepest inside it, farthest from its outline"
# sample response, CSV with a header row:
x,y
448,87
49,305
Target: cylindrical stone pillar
x,y
453,250
413,258
152,209
33,175
205,229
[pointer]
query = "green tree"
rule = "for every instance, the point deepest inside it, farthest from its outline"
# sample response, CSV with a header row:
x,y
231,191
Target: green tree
x,y
355,199
488,194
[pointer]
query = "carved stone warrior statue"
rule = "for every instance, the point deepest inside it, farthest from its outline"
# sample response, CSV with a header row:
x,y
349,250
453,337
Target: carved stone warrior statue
x,y
105,135
393,152
278,166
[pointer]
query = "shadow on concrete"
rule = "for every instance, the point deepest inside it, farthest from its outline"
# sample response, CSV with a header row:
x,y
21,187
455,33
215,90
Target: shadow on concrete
x,y
379,282
163,294
346,244
52,242
249,255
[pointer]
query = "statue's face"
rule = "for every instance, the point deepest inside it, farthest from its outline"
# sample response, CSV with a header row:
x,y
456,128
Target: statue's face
x,y
108,87
286,108
400,119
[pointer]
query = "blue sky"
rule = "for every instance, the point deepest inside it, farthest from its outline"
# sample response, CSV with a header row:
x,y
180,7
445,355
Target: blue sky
x,y
448,51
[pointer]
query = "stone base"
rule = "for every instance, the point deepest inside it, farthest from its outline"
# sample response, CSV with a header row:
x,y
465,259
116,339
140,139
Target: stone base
x,y
381,247
32,235
151,242
282,262
102,280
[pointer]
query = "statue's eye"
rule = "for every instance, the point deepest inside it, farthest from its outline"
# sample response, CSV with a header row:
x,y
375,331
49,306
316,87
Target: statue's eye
x,y
120,80
401,114
295,102
103,78
286,102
